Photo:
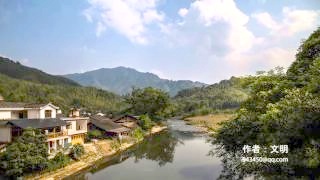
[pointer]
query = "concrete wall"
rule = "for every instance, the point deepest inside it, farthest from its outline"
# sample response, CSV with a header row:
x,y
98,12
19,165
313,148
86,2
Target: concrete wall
x,y
33,114
5,115
75,124
5,134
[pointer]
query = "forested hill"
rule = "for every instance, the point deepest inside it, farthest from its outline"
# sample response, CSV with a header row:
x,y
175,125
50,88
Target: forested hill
x,y
19,71
120,80
227,94
89,98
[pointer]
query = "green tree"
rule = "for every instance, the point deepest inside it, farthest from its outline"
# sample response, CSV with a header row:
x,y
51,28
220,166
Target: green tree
x,y
95,134
28,153
148,101
145,122
77,151
281,109
138,134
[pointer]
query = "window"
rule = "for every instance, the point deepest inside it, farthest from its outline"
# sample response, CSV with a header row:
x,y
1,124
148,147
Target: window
x,y
20,115
47,114
69,126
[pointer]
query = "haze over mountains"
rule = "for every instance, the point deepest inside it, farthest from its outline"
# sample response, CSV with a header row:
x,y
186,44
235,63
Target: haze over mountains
x,y
121,80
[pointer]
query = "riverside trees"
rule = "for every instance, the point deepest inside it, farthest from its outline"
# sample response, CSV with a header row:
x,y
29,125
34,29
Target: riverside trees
x,y
282,109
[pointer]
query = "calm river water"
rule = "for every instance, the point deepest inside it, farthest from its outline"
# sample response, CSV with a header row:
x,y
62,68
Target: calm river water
x,y
179,153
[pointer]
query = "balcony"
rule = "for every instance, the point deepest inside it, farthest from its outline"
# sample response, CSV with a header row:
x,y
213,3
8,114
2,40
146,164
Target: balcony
x,y
56,134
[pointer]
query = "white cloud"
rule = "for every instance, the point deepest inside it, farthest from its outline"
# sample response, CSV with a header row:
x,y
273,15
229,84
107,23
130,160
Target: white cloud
x,y
225,40
210,36
264,58
127,17
294,21
207,23
152,16
183,12
211,11
266,20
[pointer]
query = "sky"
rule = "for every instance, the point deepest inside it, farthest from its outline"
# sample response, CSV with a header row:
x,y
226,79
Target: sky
x,y
199,40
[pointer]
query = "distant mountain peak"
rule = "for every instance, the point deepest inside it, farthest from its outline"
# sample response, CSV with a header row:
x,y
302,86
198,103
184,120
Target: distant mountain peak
x,y
121,79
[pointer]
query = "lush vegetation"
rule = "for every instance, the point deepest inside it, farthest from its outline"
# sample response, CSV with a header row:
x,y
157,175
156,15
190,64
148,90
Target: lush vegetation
x,y
225,95
282,109
149,101
60,160
19,71
120,80
89,98
95,134
145,122
27,154
77,151
137,134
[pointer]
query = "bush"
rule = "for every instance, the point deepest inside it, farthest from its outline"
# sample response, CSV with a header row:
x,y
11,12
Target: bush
x,y
145,122
77,151
138,134
60,160
95,134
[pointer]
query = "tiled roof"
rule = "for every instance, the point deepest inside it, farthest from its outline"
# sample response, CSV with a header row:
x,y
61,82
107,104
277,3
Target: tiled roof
x,y
123,116
4,104
35,105
107,124
37,123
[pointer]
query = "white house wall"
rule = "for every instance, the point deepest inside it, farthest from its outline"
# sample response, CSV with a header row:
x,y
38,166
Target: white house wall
x,y
5,115
14,114
74,124
43,110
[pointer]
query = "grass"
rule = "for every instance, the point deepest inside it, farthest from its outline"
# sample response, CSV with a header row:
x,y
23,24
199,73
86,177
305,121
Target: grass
x,y
211,122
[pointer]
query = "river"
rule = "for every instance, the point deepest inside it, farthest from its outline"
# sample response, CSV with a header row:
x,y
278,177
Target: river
x,y
179,153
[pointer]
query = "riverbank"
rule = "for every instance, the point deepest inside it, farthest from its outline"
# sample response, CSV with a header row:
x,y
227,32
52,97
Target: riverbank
x,y
94,151
209,123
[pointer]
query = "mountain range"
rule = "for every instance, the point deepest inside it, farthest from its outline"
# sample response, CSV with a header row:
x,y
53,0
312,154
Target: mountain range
x,y
121,80
18,71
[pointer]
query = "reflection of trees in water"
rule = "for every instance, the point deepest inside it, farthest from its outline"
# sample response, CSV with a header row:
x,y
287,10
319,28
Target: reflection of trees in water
x,y
234,169
158,148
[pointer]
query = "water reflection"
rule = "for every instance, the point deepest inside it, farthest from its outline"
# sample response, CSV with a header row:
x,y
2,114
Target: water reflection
x,y
180,153
158,148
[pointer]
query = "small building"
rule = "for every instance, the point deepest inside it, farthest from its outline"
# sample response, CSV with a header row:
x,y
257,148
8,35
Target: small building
x,y
60,131
76,126
107,126
128,121
53,128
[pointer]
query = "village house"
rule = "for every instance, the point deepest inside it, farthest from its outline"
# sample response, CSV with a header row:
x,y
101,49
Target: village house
x,y
127,121
107,126
61,132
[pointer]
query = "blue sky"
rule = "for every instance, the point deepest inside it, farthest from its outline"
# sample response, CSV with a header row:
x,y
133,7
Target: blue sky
x,y
201,40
